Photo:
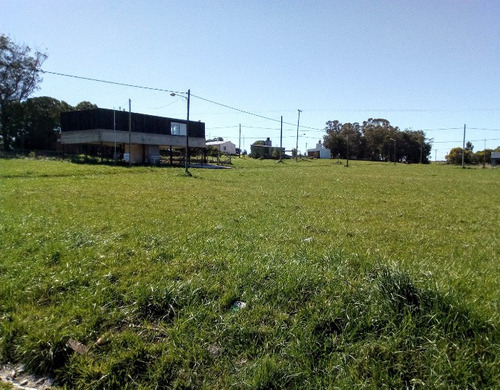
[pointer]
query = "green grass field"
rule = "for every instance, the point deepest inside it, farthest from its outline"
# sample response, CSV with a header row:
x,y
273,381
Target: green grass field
x,y
376,275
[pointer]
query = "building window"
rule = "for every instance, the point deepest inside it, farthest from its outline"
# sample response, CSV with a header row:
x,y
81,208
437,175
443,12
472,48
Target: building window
x,y
177,128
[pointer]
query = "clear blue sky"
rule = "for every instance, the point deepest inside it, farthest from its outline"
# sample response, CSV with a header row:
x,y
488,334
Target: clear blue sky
x,y
431,65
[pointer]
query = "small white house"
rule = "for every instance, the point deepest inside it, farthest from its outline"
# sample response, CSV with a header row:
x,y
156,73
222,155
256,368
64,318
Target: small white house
x,y
319,151
225,147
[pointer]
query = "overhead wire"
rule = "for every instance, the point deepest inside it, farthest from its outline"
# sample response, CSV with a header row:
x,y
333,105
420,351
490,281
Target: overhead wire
x,y
303,127
176,92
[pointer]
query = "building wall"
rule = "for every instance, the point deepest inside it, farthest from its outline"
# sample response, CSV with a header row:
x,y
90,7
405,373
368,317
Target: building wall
x,y
319,153
110,136
264,151
101,118
226,147
495,159
106,128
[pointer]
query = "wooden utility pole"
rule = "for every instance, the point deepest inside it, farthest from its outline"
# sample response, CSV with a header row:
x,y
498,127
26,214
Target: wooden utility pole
x,y
297,140
129,132
114,134
186,161
463,150
347,155
484,154
281,138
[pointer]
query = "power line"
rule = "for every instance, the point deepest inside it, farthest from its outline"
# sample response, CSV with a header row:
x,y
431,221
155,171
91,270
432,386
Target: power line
x,y
249,112
171,91
470,140
442,129
304,127
112,82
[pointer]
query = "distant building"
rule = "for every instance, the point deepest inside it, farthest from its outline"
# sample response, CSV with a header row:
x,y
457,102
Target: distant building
x,y
226,147
109,130
265,149
495,159
319,151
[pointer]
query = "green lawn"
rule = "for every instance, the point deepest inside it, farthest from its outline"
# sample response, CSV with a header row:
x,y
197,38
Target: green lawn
x,y
376,275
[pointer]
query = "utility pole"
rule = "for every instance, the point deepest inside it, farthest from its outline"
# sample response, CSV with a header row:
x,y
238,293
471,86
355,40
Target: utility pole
x,y
347,156
186,171
114,134
239,143
463,150
129,132
484,154
186,154
281,137
297,141
393,140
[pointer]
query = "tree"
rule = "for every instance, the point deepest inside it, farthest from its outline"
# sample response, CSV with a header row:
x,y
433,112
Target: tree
x,y
375,139
482,156
215,139
343,139
334,141
353,139
40,123
412,147
35,123
455,156
19,78
377,134
85,105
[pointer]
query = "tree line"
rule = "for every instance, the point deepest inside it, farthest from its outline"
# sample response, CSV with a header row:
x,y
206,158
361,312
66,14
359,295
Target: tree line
x,y
469,157
35,124
376,139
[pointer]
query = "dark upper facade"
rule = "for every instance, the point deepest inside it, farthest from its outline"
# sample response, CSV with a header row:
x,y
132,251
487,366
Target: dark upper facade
x,y
106,119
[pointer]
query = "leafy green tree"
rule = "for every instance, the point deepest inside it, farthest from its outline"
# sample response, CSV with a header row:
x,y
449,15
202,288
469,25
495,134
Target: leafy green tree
x,y
343,139
13,123
40,123
455,156
353,139
334,141
375,139
85,105
412,148
19,77
378,133
34,124
482,156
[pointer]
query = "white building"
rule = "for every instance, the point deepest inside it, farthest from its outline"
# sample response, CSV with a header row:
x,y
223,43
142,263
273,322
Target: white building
x,y
319,151
225,147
